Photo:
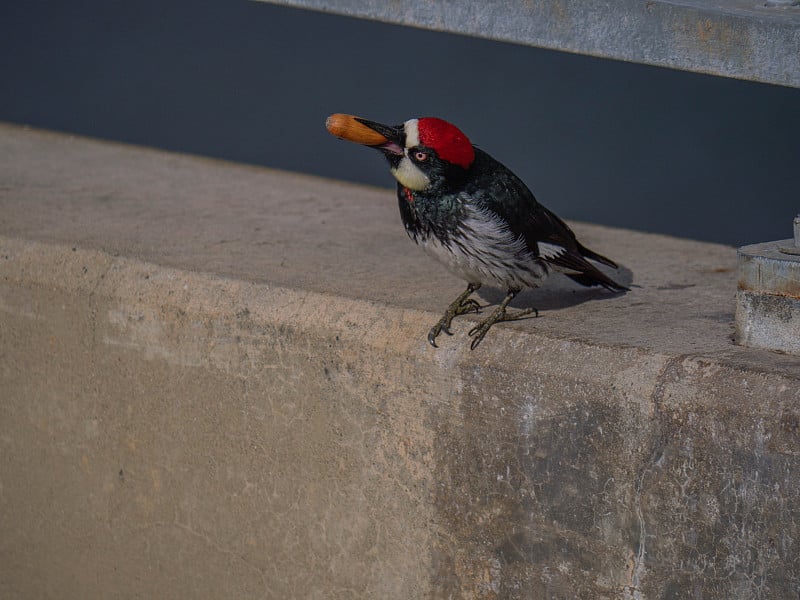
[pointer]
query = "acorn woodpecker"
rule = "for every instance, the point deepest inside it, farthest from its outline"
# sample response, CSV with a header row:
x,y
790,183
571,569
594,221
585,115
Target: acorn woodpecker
x,y
474,216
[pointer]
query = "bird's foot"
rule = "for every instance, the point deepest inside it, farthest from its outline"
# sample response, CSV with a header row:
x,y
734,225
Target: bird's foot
x,y
499,315
460,306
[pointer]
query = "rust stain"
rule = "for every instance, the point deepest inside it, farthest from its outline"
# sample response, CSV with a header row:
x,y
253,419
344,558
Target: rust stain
x,y
704,30
770,277
719,40
784,289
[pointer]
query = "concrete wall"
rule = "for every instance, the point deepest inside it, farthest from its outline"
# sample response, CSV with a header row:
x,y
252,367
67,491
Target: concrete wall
x,y
182,416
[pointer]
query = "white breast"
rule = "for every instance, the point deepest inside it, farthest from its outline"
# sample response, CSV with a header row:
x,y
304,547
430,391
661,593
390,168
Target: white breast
x,y
484,251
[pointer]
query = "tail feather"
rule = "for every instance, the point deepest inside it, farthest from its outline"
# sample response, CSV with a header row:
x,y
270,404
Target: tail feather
x,y
593,277
595,256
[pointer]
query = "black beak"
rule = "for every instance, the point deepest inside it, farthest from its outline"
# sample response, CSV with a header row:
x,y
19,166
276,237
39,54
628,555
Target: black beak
x,y
395,136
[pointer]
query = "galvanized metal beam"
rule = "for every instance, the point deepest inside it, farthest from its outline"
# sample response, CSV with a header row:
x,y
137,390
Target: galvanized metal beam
x,y
757,40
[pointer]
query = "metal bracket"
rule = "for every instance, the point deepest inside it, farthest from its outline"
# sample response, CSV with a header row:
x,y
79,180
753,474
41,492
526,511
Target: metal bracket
x,y
768,300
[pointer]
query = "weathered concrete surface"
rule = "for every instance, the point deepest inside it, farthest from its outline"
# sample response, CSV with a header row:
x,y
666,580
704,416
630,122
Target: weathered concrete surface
x,y
214,382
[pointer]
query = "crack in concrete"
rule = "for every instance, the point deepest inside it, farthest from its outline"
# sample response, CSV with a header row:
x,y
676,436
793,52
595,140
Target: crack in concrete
x,y
638,568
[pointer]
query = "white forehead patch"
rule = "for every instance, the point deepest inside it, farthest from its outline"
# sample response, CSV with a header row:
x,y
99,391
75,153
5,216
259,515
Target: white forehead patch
x,y
412,132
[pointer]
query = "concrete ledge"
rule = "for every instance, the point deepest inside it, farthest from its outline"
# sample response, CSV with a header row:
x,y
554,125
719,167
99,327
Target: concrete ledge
x,y
216,384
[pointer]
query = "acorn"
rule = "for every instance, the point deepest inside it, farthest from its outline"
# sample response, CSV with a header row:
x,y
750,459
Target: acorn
x,y
350,128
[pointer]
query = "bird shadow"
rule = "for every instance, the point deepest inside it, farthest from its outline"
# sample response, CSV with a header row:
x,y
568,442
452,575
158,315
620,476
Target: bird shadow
x,y
559,292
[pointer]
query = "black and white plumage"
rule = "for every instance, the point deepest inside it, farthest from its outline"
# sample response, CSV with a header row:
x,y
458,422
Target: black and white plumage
x,y
479,220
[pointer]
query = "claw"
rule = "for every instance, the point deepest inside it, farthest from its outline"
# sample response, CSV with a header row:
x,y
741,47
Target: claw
x,y
470,305
432,338
477,340
479,331
499,315
462,305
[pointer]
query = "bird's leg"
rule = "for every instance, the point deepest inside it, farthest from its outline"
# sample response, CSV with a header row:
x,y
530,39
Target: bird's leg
x,y
499,314
461,305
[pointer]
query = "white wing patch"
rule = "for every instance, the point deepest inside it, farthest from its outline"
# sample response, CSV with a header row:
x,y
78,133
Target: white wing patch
x,y
550,250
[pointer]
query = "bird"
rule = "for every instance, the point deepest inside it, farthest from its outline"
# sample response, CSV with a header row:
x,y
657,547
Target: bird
x,y
475,216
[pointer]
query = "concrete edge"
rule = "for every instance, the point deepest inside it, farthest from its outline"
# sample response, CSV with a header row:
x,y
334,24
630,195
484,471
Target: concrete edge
x,y
231,314
134,282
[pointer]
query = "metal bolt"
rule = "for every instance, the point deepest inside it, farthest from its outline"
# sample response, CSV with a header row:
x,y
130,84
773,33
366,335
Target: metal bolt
x,y
796,248
797,231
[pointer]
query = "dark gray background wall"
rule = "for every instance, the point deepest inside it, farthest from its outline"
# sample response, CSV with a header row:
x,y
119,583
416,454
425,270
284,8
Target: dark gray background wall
x,y
597,140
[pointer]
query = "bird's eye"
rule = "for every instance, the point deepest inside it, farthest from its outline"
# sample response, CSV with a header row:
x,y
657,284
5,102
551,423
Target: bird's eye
x,y
421,156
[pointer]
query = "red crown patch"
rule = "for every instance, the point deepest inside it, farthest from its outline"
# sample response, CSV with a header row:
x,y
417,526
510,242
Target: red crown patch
x,y
448,140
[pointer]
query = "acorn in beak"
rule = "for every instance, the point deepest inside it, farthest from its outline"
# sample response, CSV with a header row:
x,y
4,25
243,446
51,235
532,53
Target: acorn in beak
x,y
387,138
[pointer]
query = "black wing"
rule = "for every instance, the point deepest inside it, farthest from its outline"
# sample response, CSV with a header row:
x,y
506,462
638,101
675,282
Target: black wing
x,y
546,235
